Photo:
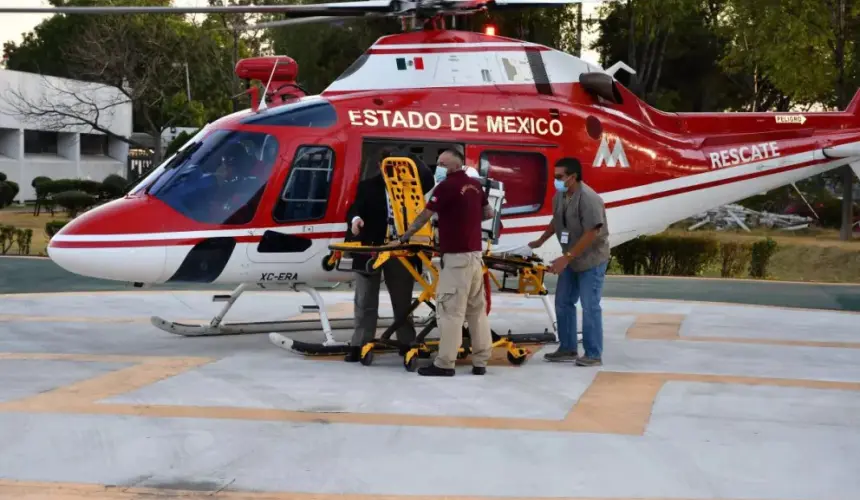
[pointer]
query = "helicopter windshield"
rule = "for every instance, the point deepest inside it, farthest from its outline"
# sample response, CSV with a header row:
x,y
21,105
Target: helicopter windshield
x,y
220,179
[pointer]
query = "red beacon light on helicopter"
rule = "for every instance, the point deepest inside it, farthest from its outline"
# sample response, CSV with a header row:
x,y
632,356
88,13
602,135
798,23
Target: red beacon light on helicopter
x,y
490,30
281,70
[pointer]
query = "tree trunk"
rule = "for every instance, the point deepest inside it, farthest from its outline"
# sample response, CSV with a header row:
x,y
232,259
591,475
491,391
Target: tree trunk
x,y
656,81
631,44
845,232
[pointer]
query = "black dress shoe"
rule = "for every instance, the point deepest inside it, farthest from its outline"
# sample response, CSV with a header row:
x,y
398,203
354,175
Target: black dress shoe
x,y
435,371
354,355
478,370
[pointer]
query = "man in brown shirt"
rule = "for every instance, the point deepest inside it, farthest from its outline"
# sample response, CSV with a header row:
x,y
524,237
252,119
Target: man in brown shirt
x,y
461,205
579,223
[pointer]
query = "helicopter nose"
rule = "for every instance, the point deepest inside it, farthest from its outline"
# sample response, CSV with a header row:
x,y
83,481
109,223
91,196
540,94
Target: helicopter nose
x,y
109,242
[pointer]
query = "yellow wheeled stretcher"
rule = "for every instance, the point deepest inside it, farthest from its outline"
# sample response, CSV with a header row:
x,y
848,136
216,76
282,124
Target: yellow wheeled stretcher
x,y
407,202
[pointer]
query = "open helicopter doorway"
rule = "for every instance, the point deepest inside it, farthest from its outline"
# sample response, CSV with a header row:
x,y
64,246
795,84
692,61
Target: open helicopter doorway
x,y
427,152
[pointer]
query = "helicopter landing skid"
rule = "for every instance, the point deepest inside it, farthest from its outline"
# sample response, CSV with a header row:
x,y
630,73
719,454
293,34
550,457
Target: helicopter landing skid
x,y
217,328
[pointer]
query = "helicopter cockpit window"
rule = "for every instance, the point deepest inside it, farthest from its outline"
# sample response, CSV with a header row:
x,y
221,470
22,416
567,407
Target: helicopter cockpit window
x,y
306,193
221,179
313,113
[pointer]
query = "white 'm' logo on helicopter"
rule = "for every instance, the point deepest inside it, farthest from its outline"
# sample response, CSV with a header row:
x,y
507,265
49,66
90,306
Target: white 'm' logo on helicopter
x,y
617,156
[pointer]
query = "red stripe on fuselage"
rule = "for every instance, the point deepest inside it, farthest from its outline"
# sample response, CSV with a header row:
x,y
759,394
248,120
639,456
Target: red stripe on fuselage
x,y
512,230
706,185
168,242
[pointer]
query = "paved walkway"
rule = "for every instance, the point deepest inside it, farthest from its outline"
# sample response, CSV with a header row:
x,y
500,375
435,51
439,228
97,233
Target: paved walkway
x,y
695,401
29,275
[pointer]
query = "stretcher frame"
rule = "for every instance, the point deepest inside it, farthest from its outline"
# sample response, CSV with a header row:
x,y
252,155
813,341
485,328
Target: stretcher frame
x,y
407,201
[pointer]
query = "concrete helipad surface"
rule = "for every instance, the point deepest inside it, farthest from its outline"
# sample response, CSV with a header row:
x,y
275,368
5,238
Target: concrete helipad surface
x,y
694,401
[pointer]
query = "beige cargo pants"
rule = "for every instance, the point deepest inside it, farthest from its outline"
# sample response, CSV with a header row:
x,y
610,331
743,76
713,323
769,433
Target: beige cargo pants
x,y
459,297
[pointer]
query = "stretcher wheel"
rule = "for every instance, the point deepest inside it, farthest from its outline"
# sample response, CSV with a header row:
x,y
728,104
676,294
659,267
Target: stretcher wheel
x,y
412,364
515,359
367,359
325,263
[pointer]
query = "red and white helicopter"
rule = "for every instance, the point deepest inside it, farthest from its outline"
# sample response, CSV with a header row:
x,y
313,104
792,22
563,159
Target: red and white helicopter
x,y
514,107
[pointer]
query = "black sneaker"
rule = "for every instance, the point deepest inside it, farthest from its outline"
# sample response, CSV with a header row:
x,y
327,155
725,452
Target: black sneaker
x,y
560,356
435,371
586,361
354,355
478,370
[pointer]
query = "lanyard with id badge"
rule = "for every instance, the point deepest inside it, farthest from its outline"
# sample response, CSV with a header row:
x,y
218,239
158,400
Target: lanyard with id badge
x,y
564,237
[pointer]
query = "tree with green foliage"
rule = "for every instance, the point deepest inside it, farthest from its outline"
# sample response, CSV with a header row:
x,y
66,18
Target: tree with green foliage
x,y
152,59
324,50
808,50
554,27
674,47
233,37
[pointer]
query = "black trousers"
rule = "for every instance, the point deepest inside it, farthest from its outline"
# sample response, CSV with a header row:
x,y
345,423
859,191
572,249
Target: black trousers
x,y
400,285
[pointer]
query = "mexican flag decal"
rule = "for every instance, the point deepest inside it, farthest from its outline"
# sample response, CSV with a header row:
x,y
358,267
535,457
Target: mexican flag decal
x,y
405,63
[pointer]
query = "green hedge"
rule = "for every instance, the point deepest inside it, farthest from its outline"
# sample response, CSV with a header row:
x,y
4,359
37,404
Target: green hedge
x,y
50,193
53,227
664,255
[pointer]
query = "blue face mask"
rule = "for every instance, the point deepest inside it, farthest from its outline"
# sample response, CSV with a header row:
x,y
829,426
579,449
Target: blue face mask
x,y
440,174
559,185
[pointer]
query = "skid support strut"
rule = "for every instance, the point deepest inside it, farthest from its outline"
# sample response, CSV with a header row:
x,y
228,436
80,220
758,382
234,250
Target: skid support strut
x,y
218,327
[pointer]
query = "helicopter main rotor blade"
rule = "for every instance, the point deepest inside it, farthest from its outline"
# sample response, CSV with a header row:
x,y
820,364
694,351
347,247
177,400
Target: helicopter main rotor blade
x,y
299,20
354,8
499,4
322,9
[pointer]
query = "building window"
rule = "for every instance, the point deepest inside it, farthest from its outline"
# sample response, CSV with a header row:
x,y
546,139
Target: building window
x,y
524,176
306,192
40,142
94,144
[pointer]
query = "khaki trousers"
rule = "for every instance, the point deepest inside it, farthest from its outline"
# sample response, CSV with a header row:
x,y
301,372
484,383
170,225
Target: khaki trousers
x,y
459,297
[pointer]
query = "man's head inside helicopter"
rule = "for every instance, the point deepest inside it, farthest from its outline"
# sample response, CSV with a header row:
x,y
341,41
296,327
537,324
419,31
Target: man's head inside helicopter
x,y
235,162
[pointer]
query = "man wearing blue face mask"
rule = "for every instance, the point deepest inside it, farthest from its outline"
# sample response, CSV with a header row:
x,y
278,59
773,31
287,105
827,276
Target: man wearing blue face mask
x,y
579,223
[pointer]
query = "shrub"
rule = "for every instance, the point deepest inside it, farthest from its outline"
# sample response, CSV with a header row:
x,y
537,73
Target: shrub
x,y
7,237
53,227
693,256
38,181
762,251
735,258
74,201
63,185
662,255
7,193
113,186
630,256
3,177
23,238
15,188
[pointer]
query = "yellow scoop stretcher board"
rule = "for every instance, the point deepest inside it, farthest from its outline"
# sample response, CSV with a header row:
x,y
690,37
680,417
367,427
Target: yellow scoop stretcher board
x,y
407,202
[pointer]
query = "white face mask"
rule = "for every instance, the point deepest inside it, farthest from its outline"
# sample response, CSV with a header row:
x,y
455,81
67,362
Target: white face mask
x,y
440,174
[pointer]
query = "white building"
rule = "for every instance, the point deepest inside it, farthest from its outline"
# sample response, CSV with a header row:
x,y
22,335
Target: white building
x,y
37,140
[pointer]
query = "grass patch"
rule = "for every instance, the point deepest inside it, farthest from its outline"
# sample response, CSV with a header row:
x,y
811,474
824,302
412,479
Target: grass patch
x,y
810,255
23,218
